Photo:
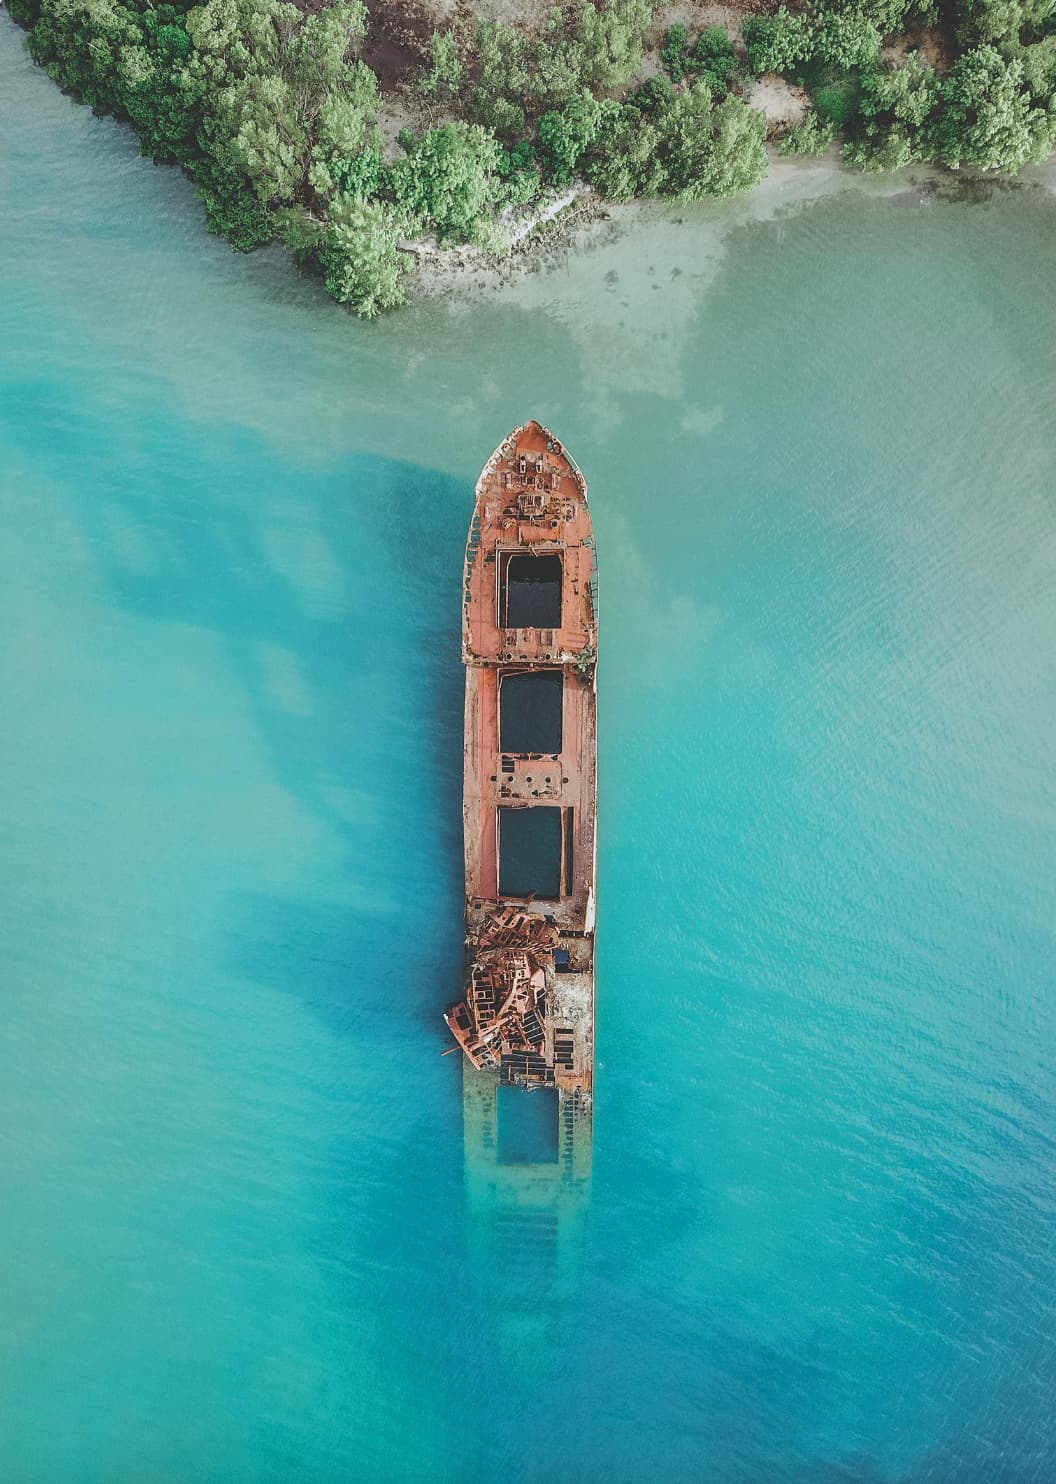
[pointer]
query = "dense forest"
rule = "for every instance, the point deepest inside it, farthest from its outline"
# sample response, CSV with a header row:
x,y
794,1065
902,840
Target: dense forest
x,y
273,112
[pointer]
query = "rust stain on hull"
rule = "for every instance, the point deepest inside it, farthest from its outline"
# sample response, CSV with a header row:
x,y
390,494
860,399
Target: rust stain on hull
x,y
529,645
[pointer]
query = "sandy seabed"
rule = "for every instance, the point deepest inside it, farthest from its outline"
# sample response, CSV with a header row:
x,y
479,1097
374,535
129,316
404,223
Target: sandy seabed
x,y
588,223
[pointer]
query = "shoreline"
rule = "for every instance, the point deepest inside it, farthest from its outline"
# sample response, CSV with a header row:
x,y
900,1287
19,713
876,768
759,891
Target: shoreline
x,y
464,274
576,219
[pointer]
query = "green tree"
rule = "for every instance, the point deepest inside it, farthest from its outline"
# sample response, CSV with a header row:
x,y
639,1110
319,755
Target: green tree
x,y
890,17
519,174
448,178
231,207
776,43
709,149
712,59
673,53
359,258
346,156
316,52
1038,61
94,48
841,38
566,135
252,145
711,56
652,97
121,58
605,46
1001,22
810,137
988,118
623,161
593,46
235,39
444,76
161,107
504,76
823,37
896,116
270,80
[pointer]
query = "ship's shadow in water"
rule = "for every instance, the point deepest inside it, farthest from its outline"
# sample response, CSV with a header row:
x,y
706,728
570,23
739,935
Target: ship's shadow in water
x,y
371,745
388,950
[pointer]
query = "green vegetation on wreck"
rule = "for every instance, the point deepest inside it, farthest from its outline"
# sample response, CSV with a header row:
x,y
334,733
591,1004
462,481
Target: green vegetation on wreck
x,y
273,114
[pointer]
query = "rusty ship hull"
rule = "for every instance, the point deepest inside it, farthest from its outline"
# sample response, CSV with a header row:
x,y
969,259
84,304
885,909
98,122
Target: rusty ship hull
x,y
529,646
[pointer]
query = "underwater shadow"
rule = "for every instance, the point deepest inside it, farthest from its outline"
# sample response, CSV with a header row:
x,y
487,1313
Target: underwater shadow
x,y
335,603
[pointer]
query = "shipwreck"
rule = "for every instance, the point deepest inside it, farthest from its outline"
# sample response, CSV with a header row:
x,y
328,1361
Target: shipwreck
x,y
529,646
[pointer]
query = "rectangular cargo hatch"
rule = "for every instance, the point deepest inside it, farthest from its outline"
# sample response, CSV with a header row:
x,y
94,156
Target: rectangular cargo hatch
x,y
530,705
530,852
530,590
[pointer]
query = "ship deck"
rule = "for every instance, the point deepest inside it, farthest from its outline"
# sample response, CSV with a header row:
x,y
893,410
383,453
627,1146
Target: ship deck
x,y
530,770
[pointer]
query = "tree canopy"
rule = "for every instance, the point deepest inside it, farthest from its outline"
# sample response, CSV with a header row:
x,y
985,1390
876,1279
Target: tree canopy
x,y
273,112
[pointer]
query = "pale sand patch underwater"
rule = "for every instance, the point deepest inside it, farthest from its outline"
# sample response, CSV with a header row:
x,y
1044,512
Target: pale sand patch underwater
x,y
591,226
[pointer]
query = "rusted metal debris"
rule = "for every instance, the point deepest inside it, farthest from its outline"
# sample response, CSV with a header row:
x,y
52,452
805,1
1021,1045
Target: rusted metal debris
x,y
529,644
504,1011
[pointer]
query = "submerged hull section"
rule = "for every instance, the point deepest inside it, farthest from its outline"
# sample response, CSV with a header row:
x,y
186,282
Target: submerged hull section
x,y
529,644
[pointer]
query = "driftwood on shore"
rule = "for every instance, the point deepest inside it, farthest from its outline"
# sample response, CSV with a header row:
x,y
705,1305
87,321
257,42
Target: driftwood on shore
x,y
517,222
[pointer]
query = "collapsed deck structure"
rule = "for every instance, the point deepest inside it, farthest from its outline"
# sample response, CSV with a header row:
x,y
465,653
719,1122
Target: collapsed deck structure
x,y
529,645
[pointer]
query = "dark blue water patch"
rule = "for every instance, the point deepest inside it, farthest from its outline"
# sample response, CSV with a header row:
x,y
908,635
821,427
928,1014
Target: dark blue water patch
x,y
530,711
528,1126
531,592
530,852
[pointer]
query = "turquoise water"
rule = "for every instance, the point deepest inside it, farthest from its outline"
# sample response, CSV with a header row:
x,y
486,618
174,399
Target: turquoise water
x,y
821,446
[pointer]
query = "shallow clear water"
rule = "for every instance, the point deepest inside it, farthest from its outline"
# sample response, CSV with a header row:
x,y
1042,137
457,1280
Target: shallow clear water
x,y
821,447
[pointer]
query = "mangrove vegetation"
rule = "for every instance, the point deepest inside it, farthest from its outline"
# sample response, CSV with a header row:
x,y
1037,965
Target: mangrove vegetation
x,y
273,110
